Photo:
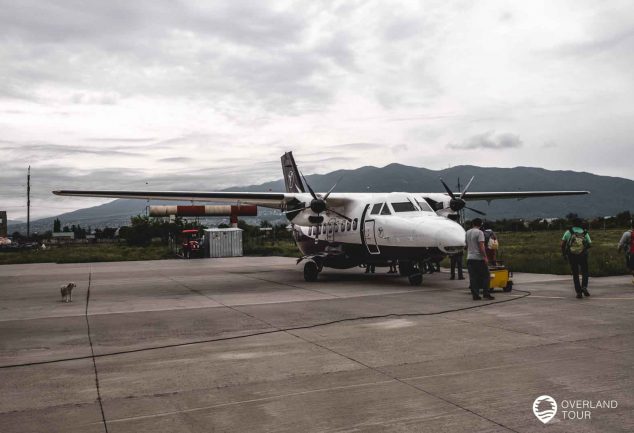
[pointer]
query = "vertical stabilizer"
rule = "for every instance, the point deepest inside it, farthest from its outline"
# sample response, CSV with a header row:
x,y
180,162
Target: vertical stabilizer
x,y
292,179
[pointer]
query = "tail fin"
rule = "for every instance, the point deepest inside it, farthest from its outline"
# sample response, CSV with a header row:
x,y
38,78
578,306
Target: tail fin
x,y
292,179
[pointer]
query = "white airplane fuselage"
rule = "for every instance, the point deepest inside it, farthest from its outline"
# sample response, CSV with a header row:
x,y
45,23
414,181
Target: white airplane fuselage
x,y
385,227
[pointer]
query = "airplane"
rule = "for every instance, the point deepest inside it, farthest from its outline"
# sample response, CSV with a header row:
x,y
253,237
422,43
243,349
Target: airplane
x,y
345,230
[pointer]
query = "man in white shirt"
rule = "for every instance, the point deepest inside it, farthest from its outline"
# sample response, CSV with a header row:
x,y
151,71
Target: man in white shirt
x,y
477,262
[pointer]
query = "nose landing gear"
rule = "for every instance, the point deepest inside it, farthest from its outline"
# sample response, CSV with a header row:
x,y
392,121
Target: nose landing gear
x,y
411,270
311,270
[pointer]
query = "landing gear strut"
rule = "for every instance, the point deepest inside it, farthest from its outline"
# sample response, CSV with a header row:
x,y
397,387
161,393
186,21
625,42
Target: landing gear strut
x,y
413,272
311,270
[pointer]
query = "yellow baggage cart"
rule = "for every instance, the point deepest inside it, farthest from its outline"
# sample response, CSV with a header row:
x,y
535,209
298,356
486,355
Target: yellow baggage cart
x,y
501,278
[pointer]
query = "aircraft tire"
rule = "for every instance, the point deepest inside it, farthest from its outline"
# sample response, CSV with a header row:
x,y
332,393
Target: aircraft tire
x,y
415,279
405,268
311,270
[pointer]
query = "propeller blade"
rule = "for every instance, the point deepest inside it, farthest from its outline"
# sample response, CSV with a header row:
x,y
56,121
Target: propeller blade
x,y
475,210
308,186
340,214
447,188
466,187
333,187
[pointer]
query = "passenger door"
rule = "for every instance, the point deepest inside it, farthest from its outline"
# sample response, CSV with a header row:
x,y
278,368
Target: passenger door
x,y
370,237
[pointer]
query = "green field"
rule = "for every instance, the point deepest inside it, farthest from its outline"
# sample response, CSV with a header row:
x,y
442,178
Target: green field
x,y
540,252
536,252
87,253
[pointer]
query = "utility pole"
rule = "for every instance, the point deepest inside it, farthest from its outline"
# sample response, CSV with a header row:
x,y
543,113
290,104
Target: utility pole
x,y
28,203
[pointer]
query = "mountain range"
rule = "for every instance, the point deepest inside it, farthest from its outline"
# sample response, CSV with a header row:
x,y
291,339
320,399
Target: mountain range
x,y
609,195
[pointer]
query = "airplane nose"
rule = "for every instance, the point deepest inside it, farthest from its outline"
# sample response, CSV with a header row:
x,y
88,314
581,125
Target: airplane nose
x,y
451,239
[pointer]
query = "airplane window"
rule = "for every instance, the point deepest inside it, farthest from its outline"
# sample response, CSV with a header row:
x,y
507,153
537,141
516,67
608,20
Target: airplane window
x,y
354,224
348,226
424,206
404,206
385,210
376,208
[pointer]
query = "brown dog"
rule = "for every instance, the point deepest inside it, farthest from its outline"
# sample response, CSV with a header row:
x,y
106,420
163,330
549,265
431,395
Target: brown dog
x,y
67,292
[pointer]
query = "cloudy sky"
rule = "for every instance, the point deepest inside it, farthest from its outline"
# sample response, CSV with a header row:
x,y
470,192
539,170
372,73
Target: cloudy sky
x,y
206,95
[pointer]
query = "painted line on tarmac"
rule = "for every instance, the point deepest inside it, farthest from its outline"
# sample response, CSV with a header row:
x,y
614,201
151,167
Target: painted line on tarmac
x,y
597,298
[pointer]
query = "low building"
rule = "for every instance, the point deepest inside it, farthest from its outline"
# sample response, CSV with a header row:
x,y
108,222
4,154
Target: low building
x,y
62,237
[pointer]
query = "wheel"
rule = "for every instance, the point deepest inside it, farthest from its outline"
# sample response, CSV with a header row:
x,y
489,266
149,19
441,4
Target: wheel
x,y
415,279
311,271
404,268
509,286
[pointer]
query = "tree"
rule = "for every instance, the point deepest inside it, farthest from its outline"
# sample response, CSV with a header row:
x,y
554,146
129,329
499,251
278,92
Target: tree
x,y
57,225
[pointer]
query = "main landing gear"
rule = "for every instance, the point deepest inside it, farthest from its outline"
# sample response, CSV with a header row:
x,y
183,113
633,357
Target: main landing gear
x,y
311,270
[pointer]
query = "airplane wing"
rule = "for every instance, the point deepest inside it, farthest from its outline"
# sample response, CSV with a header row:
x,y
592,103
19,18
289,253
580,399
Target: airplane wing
x,y
488,196
274,200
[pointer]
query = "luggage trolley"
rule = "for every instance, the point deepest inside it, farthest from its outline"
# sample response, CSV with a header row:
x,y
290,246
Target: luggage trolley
x,y
501,278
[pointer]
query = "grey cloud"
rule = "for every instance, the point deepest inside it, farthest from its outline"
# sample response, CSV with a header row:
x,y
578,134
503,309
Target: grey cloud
x,y
120,139
249,53
624,39
357,146
43,151
399,148
489,140
401,29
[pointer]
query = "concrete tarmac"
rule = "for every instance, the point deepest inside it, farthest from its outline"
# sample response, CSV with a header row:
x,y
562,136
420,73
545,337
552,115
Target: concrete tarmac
x,y
245,344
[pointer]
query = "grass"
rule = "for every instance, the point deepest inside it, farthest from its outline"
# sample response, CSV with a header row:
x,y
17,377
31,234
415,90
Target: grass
x,y
86,253
540,252
281,248
533,252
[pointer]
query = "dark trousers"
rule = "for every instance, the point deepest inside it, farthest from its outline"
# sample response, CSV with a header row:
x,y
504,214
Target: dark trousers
x,y
456,262
479,278
579,263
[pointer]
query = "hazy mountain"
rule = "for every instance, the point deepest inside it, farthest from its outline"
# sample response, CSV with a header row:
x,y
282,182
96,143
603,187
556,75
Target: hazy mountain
x,y
609,195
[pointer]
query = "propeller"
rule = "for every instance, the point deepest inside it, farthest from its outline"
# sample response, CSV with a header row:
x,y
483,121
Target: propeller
x,y
318,204
458,203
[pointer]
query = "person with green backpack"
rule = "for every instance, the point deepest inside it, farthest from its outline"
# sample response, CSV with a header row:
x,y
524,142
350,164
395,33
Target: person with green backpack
x,y
626,244
574,247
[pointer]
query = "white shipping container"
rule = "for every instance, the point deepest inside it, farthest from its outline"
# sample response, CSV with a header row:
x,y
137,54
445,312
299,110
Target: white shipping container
x,y
223,242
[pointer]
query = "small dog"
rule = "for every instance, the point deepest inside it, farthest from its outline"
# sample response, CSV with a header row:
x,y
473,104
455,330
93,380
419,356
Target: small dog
x,y
67,292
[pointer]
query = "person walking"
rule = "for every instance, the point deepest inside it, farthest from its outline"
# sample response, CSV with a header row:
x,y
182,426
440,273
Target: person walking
x,y
491,244
456,262
626,244
574,247
477,262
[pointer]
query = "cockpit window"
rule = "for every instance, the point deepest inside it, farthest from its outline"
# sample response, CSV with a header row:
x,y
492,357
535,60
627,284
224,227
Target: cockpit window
x,y
385,210
376,208
424,206
404,206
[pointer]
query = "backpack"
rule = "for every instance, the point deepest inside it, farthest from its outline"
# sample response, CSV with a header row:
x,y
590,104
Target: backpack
x,y
577,242
492,244
489,241
632,242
